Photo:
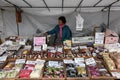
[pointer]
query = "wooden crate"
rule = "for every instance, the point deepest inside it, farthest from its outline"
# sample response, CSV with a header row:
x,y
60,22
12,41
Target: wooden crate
x,y
53,78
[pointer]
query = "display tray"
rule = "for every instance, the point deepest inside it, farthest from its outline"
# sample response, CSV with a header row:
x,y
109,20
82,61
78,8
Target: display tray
x,y
17,77
102,77
43,78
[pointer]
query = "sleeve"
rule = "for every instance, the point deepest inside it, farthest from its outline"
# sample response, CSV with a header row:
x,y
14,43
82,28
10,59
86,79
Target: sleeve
x,y
69,34
53,30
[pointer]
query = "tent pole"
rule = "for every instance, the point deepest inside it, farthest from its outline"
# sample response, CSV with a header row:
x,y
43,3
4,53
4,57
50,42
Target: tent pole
x,y
17,22
108,23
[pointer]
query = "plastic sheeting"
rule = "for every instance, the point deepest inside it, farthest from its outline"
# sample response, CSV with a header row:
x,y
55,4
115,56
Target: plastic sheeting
x,y
30,23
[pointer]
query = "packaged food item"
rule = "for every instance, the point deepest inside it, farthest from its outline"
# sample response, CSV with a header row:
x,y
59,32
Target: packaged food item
x,y
38,69
51,53
75,70
19,66
11,74
54,70
3,74
9,66
29,67
69,54
25,52
102,70
35,73
109,61
67,44
25,73
94,71
59,52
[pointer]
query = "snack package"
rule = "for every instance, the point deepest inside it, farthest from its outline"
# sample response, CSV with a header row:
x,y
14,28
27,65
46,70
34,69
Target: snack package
x,y
12,74
29,67
35,73
25,73
53,70
3,74
9,66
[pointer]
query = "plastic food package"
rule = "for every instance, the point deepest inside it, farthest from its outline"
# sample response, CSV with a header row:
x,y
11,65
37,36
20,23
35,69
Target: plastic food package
x,y
54,72
3,74
19,66
109,61
25,73
35,73
73,70
38,66
94,71
9,66
29,67
11,74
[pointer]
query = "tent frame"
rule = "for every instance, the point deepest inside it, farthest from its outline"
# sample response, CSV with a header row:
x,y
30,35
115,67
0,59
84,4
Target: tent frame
x,y
76,7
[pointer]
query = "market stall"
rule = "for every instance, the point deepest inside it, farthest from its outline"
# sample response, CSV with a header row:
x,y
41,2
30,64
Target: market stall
x,y
27,53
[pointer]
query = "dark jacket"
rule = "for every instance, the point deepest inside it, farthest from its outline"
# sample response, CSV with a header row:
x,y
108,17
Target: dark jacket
x,y
66,32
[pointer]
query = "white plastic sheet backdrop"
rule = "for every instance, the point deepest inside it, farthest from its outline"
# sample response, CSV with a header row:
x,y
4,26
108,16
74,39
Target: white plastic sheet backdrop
x,y
30,23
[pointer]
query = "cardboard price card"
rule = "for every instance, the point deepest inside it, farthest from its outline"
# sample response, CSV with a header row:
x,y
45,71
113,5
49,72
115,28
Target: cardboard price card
x,y
53,63
18,61
90,61
66,61
39,61
38,41
78,60
37,48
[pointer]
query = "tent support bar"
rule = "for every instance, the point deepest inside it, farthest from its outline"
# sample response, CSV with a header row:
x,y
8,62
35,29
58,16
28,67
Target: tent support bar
x,y
110,5
27,3
17,22
97,3
12,4
62,4
57,7
108,23
46,5
78,5
18,29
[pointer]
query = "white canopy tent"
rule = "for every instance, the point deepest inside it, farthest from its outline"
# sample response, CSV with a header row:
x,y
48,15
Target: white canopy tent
x,y
43,14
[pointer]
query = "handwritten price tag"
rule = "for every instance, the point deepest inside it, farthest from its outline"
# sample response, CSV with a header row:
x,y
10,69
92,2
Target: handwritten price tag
x,y
90,61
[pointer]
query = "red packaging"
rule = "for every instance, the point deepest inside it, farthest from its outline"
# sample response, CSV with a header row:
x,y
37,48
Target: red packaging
x,y
29,67
25,73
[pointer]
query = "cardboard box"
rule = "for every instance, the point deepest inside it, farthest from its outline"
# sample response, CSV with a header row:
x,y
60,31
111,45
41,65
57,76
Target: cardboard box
x,y
111,37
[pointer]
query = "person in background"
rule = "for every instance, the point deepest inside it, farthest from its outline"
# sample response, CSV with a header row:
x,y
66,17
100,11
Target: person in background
x,y
61,30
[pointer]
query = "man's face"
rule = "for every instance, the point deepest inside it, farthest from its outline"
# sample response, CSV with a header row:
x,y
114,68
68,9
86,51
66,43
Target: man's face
x,y
60,22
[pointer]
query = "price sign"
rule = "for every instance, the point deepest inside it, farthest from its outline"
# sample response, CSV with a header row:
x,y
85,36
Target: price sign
x,y
38,61
18,61
38,41
66,61
53,63
90,61
78,60
37,48
30,62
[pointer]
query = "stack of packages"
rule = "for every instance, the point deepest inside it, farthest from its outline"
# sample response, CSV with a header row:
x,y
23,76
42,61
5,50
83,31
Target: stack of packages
x,y
12,69
32,69
97,68
116,58
38,69
76,68
109,61
53,69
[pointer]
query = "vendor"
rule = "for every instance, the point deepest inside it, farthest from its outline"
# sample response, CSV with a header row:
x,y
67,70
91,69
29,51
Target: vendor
x,y
62,31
